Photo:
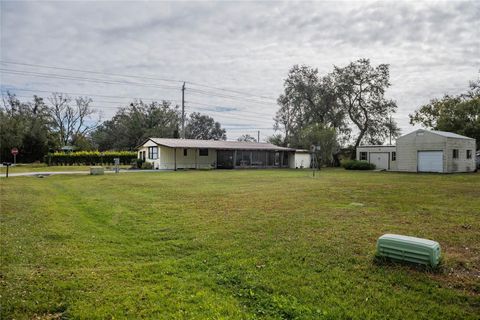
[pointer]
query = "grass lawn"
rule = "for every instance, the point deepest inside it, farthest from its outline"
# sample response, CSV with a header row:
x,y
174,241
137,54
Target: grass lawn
x,y
20,168
256,244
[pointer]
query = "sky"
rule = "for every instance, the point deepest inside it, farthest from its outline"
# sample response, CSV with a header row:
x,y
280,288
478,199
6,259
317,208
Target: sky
x,y
234,56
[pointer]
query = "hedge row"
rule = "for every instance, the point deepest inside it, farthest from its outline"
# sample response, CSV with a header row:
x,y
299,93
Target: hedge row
x,y
357,165
89,157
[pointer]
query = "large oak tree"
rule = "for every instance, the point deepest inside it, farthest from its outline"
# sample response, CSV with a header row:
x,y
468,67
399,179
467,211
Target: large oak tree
x,y
360,90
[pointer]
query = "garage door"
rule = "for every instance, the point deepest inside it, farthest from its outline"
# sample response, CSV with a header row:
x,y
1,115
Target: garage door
x,y
379,159
430,161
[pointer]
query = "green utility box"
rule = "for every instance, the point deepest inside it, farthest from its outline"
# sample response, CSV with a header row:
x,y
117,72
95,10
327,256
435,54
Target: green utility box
x,y
410,249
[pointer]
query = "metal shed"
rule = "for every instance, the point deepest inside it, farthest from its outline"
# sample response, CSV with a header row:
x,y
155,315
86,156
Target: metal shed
x,y
383,157
435,151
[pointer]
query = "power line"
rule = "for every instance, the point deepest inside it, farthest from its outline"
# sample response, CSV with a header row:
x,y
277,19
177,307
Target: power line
x,y
128,97
92,95
230,90
90,71
95,80
208,93
188,102
218,106
221,114
137,77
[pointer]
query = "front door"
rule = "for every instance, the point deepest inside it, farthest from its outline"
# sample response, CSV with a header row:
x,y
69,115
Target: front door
x,y
379,159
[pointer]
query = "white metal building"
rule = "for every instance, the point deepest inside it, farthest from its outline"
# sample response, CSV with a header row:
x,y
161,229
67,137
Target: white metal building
x,y
300,159
435,151
424,151
383,157
173,154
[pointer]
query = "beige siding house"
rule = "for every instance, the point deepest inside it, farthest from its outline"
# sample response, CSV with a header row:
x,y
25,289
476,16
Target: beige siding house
x,y
424,151
173,154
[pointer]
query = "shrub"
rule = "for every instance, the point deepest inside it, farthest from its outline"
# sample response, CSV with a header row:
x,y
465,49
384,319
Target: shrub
x,y
137,163
357,165
90,157
147,165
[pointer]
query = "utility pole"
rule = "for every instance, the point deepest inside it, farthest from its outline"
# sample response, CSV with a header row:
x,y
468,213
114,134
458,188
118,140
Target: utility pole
x,y
183,112
390,130
258,139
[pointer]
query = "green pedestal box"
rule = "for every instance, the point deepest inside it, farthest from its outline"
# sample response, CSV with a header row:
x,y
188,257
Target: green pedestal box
x,y
410,249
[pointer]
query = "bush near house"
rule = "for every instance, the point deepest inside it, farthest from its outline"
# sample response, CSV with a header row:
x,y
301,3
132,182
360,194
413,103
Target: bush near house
x,y
89,157
357,165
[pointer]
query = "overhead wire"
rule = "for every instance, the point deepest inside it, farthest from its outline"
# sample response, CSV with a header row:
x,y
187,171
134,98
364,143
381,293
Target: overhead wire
x,y
137,77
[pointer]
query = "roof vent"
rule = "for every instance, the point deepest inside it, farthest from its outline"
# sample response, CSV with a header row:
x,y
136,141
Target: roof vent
x,y
410,249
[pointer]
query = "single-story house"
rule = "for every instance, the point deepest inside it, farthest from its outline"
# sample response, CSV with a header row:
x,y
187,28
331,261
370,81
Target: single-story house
x,y
424,151
173,154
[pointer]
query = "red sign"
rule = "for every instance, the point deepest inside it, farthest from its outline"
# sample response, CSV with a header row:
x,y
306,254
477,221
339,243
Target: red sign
x,y
14,151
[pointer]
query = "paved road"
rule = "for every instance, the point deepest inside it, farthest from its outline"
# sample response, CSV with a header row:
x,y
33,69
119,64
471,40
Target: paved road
x,y
48,173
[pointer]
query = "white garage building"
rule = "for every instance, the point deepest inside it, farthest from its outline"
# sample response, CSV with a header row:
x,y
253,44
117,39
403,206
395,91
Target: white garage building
x,y
424,151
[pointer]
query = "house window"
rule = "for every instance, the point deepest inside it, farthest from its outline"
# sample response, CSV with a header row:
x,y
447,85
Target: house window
x,y
394,156
455,153
153,153
203,152
469,154
185,152
363,156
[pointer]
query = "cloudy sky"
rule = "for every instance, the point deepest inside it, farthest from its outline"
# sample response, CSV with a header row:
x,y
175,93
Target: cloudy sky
x,y
432,47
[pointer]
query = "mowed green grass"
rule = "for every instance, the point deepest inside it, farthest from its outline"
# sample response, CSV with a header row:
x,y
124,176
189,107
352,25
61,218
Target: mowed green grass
x,y
256,244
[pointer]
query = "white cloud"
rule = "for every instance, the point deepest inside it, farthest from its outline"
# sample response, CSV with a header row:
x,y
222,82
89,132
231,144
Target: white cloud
x,y
432,47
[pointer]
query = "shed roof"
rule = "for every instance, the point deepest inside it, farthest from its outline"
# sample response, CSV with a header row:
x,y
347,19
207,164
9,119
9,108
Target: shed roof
x,y
217,144
441,133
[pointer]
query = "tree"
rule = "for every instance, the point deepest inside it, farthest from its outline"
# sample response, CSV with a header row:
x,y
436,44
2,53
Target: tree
x,y
276,139
24,126
69,121
459,114
325,138
308,99
247,138
131,125
360,91
203,127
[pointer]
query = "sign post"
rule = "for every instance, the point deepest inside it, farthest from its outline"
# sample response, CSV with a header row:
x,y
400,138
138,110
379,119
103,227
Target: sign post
x,y
14,151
